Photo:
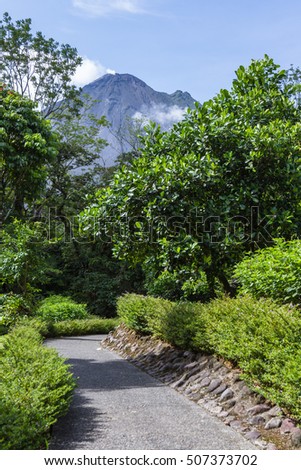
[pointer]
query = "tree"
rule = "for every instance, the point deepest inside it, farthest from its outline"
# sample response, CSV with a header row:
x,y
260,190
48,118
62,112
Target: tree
x,y
77,168
27,145
23,256
36,67
224,181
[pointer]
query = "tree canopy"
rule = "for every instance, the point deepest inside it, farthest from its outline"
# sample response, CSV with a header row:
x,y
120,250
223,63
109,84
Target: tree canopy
x,y
223,181
27,145
37,67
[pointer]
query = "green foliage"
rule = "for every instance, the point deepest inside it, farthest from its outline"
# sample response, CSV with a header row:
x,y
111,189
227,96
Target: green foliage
x,y
77,327
141,313
177,285
166,285
35,389
93,276
23,257
58,308
13,307
273,272
259,336
90,326
38,67
178,325
223,181
27,145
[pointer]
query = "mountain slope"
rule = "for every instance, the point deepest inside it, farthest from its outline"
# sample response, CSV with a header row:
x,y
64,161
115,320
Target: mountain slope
x,y
123,98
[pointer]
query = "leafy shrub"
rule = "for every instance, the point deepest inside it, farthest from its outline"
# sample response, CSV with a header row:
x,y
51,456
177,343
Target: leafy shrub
x,y
273,272
58,308
13,307
77,327
178,325
166,284
176,286
142,313
260,336
196,288
88,326
35,389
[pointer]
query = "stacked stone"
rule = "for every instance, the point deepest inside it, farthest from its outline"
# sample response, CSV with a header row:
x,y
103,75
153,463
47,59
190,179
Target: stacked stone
x,y
211,383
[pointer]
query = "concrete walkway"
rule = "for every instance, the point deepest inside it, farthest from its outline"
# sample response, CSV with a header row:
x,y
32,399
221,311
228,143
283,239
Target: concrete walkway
x,y
117,406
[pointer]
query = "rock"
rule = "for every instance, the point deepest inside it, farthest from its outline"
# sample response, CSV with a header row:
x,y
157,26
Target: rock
x,y
239,384
214,384
271,446
217,365
219,390
287,426
253,435
238,425
255,410
195,396
191,372
212,407
273,423
275,411
239,409
245,392
203,364
196,377
296,437
227,394
227,405
229,420
257,420
191,365
194,388
179,382
205,382
261,443
223,414
189,355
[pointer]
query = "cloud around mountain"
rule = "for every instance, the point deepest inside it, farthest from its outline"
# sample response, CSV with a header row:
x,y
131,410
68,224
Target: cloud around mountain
x,y
89,71
162,114
124,99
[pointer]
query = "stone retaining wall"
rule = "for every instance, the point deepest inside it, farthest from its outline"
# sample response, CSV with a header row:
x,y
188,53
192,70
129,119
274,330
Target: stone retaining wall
x,y
213,384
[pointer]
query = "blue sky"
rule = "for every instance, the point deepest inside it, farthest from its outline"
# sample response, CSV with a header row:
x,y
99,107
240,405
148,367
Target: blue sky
x,y
191,45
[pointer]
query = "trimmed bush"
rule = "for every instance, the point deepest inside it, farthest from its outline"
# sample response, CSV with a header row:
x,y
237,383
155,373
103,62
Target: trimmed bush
x,y
58,308
260,336
35,389
90,326
178,324
273,272
142,313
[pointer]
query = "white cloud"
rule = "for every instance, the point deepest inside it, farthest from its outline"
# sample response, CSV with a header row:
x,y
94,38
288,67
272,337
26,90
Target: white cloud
x,y
106,7
164,115
89,71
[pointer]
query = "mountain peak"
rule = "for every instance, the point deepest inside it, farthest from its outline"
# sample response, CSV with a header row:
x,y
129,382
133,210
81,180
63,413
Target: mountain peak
x,y
123,98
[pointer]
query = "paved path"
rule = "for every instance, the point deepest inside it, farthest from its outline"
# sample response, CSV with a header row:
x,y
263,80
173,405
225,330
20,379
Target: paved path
x,y
117,406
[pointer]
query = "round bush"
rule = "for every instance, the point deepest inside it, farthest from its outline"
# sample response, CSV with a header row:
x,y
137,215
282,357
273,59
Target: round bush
x,y
273,272
58,308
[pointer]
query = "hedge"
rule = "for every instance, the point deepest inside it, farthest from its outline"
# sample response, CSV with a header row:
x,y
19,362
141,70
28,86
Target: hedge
x,y
259,336
35,389
273,272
